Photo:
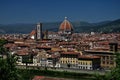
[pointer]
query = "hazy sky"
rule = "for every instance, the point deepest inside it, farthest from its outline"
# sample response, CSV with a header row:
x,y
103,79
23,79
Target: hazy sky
x,y
33,11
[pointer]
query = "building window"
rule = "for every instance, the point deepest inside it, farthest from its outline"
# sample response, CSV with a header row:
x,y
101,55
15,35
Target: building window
x,y
83,63
103,62
90,63
103,57
111,58
81,67
90,68
107,62
111,62
107,57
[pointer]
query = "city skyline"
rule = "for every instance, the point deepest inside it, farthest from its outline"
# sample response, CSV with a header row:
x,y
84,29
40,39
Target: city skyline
x,y
29,11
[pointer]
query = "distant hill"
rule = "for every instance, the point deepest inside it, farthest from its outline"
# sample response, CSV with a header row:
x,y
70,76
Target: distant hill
x,y
101,23
105,27
27,28
113,26
79,26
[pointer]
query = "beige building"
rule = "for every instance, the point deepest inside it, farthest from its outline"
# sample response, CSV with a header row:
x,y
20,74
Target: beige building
x,y
69,58
88,62
107,59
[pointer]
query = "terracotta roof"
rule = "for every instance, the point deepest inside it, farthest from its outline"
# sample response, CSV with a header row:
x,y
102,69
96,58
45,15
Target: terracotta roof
x,y
38,77
22,52
104,43
88,57
23,45
74,53
54,51
64,43
45,41
47,78
101,49
54,56
29,40
43,47
9,45
66,26
33,32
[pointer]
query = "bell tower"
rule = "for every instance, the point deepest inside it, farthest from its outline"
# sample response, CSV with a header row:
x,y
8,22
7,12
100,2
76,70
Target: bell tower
x,y
39,31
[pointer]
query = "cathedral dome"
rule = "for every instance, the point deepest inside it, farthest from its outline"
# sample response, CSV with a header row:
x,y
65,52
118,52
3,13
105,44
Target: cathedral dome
x,y
66,26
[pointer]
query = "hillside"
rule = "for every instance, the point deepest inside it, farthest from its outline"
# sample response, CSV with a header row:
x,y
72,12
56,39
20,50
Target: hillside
x,y
27,28
105,27
113,26
80,26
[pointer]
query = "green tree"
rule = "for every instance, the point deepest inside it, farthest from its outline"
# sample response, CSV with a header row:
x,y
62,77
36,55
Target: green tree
x,y
97,77
114,74
2,49
8,70
2,42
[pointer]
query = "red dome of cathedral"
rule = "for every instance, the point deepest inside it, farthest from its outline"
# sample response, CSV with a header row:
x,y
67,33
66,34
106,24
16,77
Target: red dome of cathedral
x,y
66,26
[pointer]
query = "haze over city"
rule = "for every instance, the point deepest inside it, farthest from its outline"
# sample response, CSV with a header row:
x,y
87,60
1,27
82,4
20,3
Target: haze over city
x,y
33,11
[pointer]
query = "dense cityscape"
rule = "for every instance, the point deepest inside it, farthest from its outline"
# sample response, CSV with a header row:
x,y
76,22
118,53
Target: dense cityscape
x,y
64,49
59,40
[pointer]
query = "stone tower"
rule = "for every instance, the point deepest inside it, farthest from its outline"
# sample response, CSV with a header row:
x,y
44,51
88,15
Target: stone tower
x,y
39,31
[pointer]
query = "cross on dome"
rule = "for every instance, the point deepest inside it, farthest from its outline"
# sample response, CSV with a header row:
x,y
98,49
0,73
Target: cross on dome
x,y
65,18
